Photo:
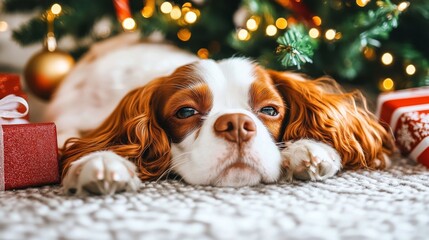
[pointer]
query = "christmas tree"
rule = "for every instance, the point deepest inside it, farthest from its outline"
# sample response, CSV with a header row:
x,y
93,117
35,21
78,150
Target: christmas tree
x,y
383,43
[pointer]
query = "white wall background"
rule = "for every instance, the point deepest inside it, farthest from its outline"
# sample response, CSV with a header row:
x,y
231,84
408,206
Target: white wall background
x,y
12,55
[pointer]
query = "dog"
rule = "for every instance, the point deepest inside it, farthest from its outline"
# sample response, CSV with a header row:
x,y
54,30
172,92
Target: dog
x,y
222,123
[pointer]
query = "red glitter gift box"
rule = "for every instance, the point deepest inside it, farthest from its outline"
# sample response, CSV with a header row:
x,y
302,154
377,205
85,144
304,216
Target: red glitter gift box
x,y
28,155
407,113
10,84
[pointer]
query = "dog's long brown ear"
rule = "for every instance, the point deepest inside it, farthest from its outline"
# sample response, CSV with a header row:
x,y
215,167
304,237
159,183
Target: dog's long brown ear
x,y
131,131
321,110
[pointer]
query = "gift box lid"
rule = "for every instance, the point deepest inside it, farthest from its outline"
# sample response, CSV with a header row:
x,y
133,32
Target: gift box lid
x,y
389,103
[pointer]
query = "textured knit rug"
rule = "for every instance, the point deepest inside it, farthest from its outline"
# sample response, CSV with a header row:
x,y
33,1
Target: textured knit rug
x,y
392,204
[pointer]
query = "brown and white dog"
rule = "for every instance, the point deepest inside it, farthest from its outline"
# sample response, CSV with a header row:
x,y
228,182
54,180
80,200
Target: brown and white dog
x,y
221,123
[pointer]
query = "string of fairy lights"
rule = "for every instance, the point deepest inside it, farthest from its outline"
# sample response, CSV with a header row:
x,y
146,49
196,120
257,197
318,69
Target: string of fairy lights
x,y
187,14
253,24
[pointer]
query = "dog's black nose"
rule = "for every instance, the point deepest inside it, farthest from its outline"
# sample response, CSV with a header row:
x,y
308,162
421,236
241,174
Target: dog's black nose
x,y
236,127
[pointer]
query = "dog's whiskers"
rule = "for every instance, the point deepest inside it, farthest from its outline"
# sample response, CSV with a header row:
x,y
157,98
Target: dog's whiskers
x,y
179,160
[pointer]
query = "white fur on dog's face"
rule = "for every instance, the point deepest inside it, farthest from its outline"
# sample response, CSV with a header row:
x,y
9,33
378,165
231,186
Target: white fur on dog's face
x,y
199,155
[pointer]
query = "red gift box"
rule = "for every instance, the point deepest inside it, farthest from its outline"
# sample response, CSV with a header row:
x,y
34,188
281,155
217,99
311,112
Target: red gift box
x,y
10,84
407,113
28,155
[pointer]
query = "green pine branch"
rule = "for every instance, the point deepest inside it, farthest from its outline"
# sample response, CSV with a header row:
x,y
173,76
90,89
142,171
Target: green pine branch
x,y
375,25
295,47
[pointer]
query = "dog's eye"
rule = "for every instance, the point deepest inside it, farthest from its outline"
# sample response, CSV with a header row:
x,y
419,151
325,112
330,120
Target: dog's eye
x,y
270,111
186,112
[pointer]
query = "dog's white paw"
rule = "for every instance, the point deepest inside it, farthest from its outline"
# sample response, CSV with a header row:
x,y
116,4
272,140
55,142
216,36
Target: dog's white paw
x,y
310,160
102,173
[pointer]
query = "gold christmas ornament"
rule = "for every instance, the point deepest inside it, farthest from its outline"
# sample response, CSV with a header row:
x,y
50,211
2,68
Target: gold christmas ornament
x,y
47,68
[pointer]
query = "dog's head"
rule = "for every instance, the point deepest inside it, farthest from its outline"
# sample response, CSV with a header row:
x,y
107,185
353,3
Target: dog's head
x,y
221,123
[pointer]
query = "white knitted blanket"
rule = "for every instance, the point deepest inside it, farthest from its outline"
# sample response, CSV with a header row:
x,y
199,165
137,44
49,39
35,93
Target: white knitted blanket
x,y
392,204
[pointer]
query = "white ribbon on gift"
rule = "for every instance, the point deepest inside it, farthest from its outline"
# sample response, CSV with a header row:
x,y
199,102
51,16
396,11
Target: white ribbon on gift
x,y
8,106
